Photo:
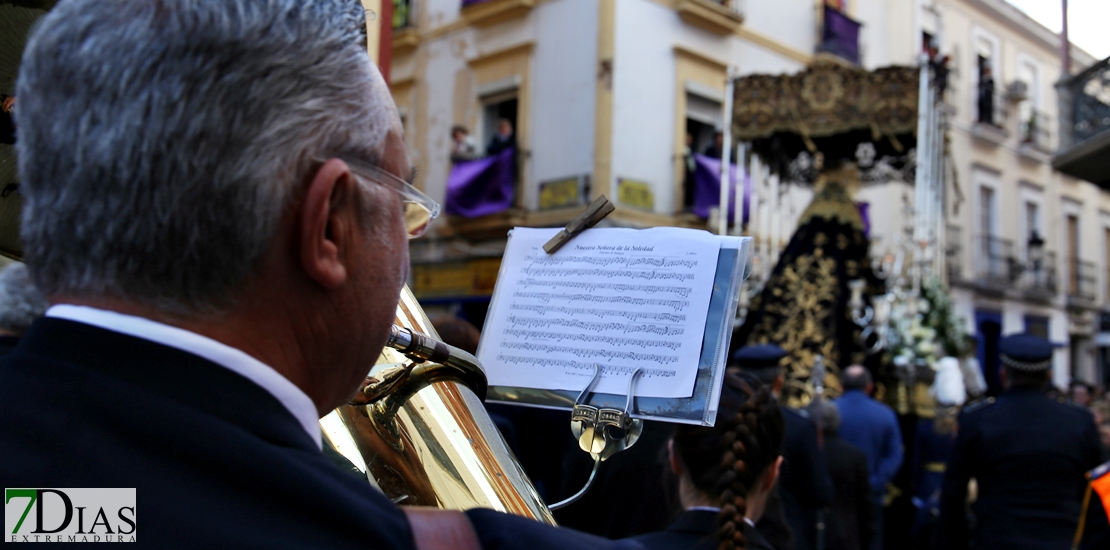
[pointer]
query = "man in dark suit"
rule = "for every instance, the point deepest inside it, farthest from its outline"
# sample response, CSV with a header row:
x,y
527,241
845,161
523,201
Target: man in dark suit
x,y
873,428
849,524
804,487
1029,455
214,204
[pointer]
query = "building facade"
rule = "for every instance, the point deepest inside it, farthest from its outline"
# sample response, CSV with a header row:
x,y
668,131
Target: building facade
x,y
602,95
1026,244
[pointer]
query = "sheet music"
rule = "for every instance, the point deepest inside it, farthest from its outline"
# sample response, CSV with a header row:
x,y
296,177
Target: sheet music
x,y
620,298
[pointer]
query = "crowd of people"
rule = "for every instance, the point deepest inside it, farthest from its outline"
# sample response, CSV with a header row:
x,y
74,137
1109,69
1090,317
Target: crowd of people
x,y
217,211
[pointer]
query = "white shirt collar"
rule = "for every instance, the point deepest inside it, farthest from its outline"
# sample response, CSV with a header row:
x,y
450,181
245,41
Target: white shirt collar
x,y
289,395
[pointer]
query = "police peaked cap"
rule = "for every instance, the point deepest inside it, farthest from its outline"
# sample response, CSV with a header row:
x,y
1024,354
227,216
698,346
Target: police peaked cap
x,y
760,356
1026,352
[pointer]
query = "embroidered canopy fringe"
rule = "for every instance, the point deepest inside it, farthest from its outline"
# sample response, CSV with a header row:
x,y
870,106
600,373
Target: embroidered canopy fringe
x,y
830,107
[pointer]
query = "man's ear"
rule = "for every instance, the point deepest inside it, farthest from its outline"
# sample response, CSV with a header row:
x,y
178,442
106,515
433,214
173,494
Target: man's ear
x,y
772,473
327,218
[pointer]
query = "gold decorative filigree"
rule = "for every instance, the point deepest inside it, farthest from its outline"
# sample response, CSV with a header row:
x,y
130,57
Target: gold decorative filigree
x,y
827,99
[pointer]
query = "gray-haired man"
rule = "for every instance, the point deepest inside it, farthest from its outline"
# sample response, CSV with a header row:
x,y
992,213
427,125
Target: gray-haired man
x,y
215,204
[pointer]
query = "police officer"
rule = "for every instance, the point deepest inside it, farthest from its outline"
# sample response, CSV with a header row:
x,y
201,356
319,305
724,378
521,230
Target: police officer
x,y
1028,453
804,483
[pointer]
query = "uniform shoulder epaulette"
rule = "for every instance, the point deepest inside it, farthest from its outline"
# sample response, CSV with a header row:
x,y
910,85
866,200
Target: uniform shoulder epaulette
x,y
1071,405
979,405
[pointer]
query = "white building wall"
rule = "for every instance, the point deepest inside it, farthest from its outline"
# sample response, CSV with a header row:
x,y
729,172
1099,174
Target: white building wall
x,y
563,92
644,98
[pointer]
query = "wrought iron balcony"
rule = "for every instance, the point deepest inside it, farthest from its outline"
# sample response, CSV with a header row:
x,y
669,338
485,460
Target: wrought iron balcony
x,y
993,261
840,35
1085,125
1082,282
720,17
991,118
1036,279
1034,130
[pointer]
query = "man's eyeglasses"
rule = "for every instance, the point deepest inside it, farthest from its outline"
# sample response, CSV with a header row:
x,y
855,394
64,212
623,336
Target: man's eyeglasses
x,y
419,209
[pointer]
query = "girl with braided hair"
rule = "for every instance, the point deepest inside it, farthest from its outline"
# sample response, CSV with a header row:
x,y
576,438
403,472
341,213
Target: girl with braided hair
x,y
725,472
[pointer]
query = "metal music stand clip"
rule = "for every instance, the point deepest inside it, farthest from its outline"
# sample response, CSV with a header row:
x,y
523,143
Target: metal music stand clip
x,y
603,432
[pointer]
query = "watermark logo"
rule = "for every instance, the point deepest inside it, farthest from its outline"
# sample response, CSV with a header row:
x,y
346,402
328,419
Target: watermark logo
x,y
69,515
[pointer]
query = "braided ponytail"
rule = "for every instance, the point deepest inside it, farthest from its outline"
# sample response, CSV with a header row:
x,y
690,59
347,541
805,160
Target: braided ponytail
x,y
726,461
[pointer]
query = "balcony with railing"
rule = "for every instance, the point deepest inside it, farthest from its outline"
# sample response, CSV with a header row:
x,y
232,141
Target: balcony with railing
x,y
1085,125
839,35
721,17
1034,134
992,116
1082,283
993,259
483,13
1036,278
405,35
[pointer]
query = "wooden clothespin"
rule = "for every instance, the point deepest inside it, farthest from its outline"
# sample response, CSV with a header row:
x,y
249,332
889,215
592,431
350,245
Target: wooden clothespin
x,y
594,213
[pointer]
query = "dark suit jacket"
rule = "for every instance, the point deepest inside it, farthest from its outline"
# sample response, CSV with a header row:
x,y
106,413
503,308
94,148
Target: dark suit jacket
x,y
7,344
1029,455
697,530
849,524
216,461
804,486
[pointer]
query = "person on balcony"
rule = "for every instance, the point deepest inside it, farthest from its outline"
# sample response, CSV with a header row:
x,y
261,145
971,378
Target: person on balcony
x,y
689,165
715,149
986,95
505,138
463,145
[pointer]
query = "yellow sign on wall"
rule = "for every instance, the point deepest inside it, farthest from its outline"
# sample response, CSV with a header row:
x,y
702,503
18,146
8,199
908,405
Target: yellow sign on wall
x,y
636,194
560,193
463,279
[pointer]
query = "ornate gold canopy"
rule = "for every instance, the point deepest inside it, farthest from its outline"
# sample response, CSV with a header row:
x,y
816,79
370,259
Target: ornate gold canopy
x,y
829,107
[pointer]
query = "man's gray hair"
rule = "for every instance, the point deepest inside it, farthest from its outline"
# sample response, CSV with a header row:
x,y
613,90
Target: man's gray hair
x,y
20,301
161,141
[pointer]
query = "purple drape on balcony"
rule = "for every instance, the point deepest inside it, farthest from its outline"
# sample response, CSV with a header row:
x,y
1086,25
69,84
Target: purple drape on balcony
x,y
865,215
707,188
840,35
480,187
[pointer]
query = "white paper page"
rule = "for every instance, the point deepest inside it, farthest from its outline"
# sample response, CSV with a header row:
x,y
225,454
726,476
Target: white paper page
x,y
621,298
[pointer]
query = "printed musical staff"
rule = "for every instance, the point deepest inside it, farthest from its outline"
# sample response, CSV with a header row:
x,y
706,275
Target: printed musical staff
x,y
646,274
594,312
682,291
607,355
593,338
623,328
619,298
609,261
585,366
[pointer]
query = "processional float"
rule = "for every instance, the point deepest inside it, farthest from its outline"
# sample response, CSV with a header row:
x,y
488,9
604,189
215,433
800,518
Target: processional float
x,y
837,127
